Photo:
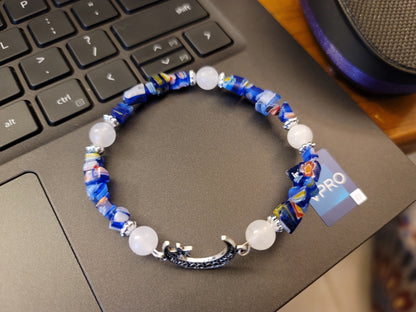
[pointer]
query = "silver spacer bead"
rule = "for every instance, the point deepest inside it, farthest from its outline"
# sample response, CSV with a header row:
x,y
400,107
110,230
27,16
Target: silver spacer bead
x,y
94,149
305,146
111,120
192,78
221,78
290,123
128,227
278,226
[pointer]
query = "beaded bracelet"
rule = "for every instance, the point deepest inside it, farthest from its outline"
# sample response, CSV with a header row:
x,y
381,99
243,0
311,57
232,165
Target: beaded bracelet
x,y
260,234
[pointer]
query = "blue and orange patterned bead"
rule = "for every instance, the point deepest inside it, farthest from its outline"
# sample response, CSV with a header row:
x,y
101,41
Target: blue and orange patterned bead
x,y
96,175
286,112
267,101
97,191
92,161
179,80
304,170
106,207
289,214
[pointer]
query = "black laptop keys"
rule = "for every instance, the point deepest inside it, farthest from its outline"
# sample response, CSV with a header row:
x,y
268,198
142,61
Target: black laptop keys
x,y
44,67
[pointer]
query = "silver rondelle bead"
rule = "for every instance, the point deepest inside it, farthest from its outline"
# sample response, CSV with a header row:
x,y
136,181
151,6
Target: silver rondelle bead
x,y
305,146
192,78
221,78
128,227
111,120
290,123
276,223
94,149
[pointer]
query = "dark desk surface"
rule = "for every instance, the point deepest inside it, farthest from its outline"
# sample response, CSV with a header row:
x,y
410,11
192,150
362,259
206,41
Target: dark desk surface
x,y
395,115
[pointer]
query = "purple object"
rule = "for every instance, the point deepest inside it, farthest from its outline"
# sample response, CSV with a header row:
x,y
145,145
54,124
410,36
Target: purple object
x,y
349,54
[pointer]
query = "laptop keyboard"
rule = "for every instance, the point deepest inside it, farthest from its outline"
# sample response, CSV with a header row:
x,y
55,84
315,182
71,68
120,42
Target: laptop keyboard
x,y
60,58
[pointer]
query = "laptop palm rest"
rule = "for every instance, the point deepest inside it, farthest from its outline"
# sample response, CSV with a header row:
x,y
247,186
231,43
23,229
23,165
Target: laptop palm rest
x,y
35,256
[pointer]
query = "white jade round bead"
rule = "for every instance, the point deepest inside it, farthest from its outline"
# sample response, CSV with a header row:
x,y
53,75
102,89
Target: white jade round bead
x,y
102,134
299,135
207,78
260,235
143,240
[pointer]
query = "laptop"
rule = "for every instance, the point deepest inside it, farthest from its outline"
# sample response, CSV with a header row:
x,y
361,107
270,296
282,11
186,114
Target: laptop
x,y
193,165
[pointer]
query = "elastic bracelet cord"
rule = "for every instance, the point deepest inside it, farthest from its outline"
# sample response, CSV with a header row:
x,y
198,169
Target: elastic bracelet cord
x,y
260,234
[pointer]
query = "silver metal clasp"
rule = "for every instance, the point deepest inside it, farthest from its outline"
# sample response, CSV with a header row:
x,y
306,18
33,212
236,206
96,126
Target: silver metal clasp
x,y
180,255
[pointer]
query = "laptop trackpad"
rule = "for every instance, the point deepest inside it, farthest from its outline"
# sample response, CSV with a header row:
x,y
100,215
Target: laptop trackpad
x,y
38,270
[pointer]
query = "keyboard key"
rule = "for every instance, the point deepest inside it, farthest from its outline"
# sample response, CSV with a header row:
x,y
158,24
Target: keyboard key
x,y
16,123
10,86
167,63
207,38
50,28
63,101
19,11
93,12
44,67
156,50
12,44
132,5
111,79
91,48
157,20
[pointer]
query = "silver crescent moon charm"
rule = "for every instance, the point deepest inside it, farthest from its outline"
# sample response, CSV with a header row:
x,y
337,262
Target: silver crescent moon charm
x,y
179,255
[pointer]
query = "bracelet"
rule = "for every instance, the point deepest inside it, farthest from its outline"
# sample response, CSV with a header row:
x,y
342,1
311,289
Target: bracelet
x,y
260,234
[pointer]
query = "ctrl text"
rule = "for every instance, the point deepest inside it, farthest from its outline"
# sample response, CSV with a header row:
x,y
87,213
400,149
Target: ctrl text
x,y
64,99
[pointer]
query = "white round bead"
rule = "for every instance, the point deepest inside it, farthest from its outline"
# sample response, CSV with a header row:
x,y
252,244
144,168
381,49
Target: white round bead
x,y
143,240
207,78
260,235
299,135
102,134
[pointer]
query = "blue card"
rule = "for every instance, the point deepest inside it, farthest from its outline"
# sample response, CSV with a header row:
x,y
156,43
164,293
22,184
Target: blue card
x,y
338,194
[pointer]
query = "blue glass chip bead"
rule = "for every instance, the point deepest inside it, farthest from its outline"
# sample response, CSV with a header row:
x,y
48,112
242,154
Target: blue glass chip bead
x,y
289,214
267,101
179,80
106,208
300,197
251,92
309,153
89,165
304,170
161,83
137,94
286,112
97,191
311,187
92,161
121,112
121,215
96,175
235,84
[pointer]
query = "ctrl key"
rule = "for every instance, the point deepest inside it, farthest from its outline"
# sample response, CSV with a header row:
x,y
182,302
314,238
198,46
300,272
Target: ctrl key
x,y
63,101
16,124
